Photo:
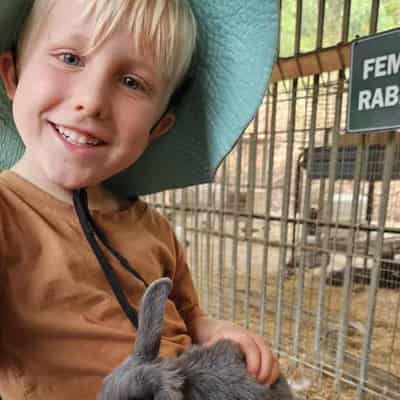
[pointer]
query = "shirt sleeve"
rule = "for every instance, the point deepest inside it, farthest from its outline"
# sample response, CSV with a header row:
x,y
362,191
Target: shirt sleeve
x,y
183,293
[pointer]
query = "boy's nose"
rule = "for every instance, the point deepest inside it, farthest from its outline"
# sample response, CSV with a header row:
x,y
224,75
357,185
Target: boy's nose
x,y
89,110
91,100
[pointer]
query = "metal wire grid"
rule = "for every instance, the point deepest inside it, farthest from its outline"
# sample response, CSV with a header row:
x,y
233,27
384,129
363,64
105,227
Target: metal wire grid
x,y
269,247
328,22
292,256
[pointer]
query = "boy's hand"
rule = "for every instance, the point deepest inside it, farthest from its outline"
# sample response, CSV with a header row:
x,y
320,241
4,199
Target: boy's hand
x,y
260,360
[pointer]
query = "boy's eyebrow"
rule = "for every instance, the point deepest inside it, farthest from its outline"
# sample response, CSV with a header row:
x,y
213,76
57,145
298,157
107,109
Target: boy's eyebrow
x,y
137,61
78,38
81,41
85,39
140,63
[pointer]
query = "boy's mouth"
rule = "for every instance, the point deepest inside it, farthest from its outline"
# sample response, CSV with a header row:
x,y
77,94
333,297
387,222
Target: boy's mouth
x,y
75,137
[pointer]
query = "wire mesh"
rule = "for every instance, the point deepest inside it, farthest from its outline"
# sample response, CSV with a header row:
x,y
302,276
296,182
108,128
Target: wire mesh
x,y
297,239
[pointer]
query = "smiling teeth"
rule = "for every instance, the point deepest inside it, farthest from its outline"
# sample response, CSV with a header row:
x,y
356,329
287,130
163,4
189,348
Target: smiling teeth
x,y
75,137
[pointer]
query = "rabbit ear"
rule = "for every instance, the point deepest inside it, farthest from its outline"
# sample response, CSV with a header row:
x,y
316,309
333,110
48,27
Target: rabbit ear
x,y
151,317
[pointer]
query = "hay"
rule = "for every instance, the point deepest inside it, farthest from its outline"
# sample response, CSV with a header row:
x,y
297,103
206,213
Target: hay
x,y
385,345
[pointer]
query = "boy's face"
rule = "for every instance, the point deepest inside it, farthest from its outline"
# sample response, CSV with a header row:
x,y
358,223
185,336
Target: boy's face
x,y
84,118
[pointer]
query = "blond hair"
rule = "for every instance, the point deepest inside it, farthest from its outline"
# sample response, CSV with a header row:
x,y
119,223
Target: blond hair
x,y
166,28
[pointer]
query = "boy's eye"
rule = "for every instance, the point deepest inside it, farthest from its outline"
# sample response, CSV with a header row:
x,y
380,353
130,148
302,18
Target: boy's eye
x,y
70,59
132,83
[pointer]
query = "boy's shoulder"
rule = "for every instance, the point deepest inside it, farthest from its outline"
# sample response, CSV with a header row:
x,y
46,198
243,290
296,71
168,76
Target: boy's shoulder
x,y
3,190
7,210
159,226
11,187
10,200
157,221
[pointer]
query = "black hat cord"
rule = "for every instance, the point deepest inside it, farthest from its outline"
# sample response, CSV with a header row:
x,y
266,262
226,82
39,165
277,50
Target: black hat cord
x,y
91,231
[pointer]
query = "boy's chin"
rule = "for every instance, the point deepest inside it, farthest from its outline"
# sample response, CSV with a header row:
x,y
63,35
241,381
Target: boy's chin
x,y
70,186
70,183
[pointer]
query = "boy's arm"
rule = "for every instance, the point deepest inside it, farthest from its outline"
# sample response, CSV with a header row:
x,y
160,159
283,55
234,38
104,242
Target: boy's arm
x,y
203,330
183,292
260,360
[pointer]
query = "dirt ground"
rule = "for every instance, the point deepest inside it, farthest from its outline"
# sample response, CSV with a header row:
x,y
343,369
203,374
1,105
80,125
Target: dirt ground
x,y
385,349
237,278
228,293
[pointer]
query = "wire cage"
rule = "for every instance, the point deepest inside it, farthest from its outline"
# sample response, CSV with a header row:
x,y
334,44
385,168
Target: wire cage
x,y
298,238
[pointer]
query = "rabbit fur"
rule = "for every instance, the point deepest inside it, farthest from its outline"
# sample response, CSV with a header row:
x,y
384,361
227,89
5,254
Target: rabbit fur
x,y
217,372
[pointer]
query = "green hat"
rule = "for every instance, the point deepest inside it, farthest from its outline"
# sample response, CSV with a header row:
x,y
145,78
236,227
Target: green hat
x,y
235,55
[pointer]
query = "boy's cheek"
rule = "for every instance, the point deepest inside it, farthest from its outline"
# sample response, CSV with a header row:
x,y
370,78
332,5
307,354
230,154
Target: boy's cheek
x,y
46,91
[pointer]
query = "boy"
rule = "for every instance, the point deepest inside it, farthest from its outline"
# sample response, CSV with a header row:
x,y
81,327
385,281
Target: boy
x,y
95,86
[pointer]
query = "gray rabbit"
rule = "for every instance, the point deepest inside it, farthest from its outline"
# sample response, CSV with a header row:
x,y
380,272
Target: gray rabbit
x,y
217,372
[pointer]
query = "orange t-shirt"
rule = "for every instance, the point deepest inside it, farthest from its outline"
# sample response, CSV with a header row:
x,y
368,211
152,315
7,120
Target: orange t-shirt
x,y
62,330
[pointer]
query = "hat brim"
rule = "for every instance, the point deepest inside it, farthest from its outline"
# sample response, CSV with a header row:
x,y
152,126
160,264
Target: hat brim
x,y
235,55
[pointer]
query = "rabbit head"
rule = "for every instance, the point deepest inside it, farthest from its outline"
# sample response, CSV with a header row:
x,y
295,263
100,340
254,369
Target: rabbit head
x,y
143,375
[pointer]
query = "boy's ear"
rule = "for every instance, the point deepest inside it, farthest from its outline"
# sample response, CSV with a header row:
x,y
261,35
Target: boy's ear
x,y
166,123
8,73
